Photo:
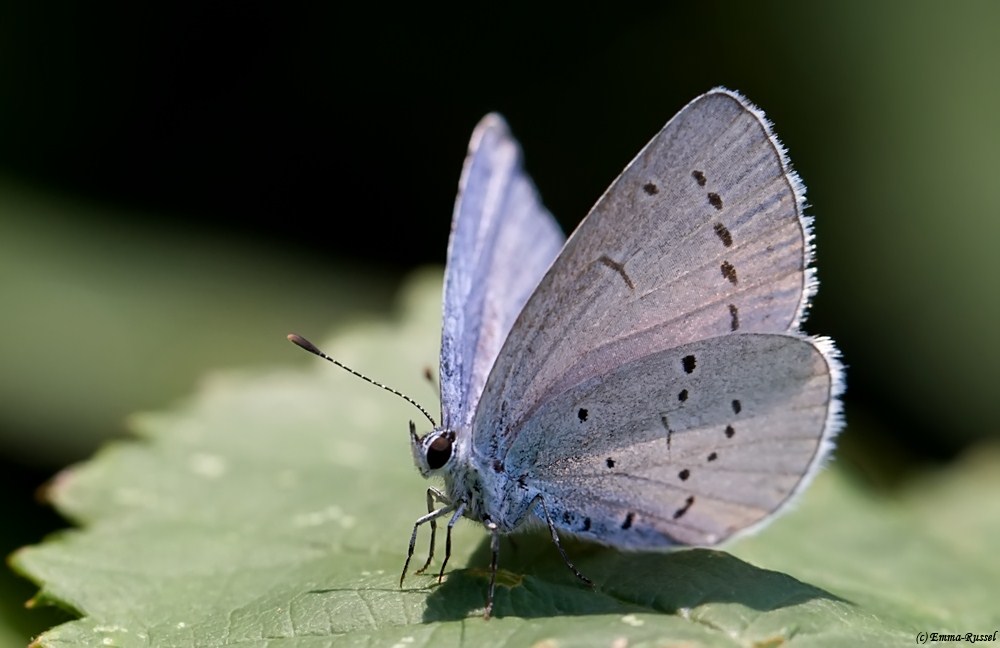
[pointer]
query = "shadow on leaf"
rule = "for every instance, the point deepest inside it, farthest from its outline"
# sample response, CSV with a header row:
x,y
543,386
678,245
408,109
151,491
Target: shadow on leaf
x,y
533,582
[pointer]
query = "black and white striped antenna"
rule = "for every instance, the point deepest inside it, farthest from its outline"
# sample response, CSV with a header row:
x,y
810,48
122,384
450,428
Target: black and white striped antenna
x,y
300,341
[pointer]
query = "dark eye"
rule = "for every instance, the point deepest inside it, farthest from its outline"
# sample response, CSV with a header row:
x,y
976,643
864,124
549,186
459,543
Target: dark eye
x,y
439,452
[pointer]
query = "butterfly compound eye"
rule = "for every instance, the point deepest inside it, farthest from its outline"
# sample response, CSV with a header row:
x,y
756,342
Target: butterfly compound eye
x,y
439,452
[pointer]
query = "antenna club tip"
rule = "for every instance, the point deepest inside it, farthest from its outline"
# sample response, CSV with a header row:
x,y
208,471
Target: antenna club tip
x,y
300,341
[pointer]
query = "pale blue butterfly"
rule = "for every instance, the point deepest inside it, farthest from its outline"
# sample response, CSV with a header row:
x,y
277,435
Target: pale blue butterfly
x,y
645,384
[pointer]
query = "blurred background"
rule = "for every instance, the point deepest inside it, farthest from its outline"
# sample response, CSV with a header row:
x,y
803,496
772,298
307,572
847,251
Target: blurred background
x,y
182,184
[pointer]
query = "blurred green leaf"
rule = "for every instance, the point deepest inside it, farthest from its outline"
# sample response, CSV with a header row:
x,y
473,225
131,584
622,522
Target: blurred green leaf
x,y
273,509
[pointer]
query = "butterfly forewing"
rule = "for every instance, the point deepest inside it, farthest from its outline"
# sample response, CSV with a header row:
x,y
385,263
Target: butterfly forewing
x,y
701,236
502,242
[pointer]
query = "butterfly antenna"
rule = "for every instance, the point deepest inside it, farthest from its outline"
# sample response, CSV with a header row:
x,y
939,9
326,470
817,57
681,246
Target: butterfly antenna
x,y
300,341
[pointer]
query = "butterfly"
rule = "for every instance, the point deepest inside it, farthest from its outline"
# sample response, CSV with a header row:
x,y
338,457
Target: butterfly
x,y
644,384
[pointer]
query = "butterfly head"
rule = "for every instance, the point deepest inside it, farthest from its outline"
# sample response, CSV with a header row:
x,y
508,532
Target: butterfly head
x,y
433,451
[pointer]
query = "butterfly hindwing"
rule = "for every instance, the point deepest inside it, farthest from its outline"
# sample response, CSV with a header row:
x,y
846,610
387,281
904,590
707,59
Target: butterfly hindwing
x,y
684,446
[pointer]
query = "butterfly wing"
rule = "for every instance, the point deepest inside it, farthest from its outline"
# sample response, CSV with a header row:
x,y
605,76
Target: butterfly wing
x,y
701,235
700,239
502,242
685,446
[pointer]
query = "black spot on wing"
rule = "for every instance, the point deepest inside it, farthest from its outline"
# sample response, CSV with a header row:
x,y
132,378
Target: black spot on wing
x,y
610,462
497,466
629,517
684,509
715,200
734,318
724,234
670,433
737,406
650,188
730,431
699,177
683,395
586,524
712,456
729,272
617,267
684,474
582,414
688,363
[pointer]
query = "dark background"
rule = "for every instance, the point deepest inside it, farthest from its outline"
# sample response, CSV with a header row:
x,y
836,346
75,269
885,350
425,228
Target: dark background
x,y
181,184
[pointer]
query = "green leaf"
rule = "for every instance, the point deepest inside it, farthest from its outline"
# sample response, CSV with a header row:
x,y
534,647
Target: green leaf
x,y
273,509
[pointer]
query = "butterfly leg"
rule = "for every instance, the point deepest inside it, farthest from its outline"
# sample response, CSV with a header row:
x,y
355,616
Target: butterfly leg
x,y
459,512
494,558
555,539
433,496
433,515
